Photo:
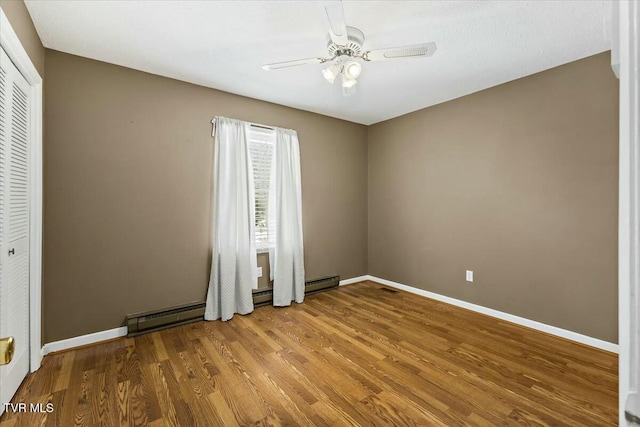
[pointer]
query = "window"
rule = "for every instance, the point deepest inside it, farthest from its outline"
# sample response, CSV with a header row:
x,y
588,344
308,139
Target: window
x,y
261,150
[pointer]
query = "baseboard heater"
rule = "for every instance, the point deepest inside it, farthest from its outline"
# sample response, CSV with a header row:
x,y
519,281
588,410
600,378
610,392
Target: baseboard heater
x,y
149,321
323,284
265,296
140,323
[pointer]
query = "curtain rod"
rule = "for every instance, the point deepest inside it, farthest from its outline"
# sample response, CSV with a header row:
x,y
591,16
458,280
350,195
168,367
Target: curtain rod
x,y
256,125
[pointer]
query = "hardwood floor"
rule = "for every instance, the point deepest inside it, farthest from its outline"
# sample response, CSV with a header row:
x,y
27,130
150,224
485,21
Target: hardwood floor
x,y
360,355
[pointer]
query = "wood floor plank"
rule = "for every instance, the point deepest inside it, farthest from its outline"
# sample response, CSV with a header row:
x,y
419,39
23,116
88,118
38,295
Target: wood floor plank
x,y
231,383
359,355
123,412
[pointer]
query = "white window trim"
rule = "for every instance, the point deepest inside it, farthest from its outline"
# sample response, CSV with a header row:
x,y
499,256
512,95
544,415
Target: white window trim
x,y
11,44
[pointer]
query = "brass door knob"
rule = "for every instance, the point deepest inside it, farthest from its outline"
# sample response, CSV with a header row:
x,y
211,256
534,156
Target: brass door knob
x,y
7,346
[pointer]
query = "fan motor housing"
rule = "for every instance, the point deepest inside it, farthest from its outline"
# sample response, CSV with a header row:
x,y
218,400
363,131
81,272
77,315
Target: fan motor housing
x,y
352,48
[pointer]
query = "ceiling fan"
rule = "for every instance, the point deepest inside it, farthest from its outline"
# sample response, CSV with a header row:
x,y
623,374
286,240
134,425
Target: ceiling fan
x,y
345,49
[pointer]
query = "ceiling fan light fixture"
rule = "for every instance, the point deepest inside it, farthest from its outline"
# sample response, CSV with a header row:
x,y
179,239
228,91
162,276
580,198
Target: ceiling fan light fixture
x,y
347,82
349,90
346,53
330,73
352,70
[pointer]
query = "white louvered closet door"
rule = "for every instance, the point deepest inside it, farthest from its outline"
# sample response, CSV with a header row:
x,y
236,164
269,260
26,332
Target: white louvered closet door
x,y
14,222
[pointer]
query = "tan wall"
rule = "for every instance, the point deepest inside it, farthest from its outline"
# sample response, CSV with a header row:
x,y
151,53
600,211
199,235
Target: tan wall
x,y
517,183
22,24
127,182
264,282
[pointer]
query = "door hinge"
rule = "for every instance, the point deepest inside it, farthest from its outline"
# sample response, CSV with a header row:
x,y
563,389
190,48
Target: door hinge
x,y
632,408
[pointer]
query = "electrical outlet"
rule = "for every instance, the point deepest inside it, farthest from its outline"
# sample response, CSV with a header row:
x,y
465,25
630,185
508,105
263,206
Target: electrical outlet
x,y
469,276
259,271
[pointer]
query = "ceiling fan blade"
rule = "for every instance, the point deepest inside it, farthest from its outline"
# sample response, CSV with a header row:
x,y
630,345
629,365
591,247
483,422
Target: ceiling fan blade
x,y
338,28
287,64
416,50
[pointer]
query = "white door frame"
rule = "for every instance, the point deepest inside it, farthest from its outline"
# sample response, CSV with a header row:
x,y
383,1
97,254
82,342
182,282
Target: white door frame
x,y
626,50
14,49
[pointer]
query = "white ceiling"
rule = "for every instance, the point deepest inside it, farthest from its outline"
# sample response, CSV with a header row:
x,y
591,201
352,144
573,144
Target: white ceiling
x,y
222,44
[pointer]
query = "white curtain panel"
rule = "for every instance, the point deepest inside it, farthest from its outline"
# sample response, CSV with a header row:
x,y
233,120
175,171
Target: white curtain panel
x,y
234,259
286,196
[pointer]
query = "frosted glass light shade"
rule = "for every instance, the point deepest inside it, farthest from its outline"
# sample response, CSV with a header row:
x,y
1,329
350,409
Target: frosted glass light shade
x,y
330,73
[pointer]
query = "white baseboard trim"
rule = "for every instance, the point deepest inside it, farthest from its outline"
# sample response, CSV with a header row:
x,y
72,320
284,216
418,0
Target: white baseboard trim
x,y
553,330
84,340
353,280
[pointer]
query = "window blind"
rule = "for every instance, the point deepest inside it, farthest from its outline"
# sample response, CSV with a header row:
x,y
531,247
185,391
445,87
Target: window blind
x,y
261,143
